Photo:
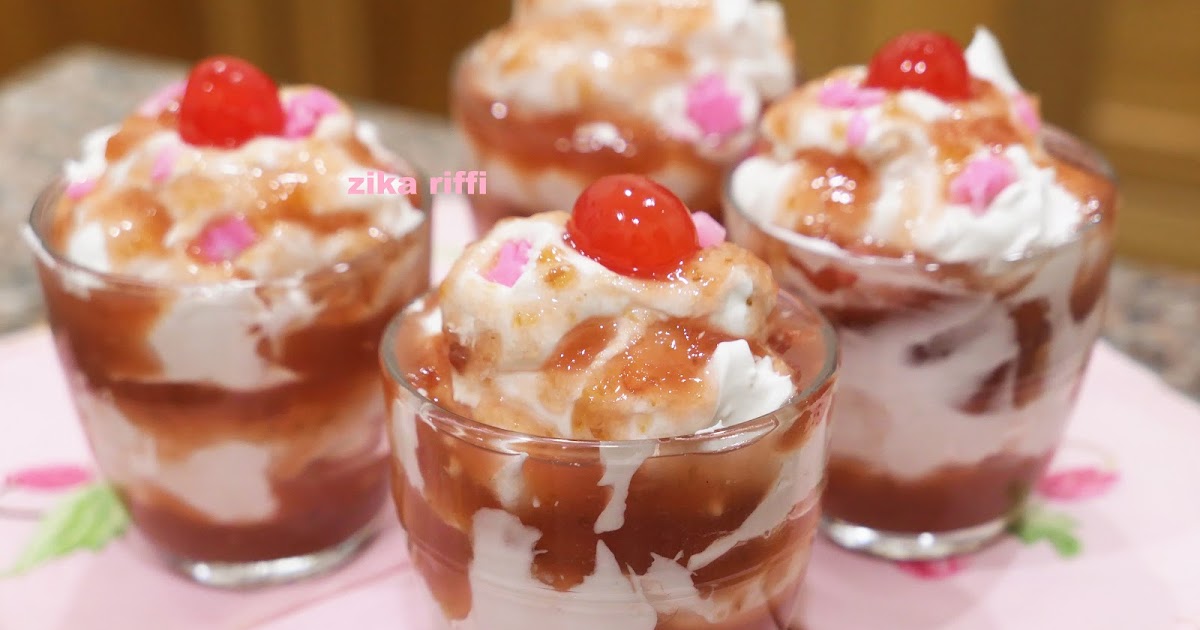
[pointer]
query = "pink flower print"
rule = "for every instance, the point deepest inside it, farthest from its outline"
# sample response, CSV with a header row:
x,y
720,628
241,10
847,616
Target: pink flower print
x,y
714,107
48,478
708,230
981,181
934,569
510,262
1076,484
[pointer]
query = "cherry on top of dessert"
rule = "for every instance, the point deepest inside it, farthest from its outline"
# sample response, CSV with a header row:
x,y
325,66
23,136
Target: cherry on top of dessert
x,y
633,226
921,60
228,101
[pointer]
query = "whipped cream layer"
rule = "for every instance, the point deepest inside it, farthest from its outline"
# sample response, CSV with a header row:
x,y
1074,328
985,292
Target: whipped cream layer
x,y
902,173
194,474
559,345
698,70
143,202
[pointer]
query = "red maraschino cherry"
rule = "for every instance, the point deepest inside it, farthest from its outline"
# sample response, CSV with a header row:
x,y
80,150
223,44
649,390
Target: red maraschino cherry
x,y
229,101
921,60
633,226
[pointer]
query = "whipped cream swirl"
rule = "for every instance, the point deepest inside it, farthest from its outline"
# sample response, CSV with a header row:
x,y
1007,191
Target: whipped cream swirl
x,y
961,181
141,201
557,305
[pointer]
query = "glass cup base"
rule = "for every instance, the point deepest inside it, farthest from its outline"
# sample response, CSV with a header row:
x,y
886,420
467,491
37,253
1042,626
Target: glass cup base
x,y
909,545
239,575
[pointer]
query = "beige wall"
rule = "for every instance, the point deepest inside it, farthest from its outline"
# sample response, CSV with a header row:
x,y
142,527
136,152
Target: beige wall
x,y
1122,73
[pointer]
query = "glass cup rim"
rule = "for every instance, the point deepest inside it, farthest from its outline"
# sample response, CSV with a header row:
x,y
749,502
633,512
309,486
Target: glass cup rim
x,y
1057,141
735,434
35,238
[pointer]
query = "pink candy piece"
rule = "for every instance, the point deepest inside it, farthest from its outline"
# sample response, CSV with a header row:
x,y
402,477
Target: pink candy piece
x,y
223,239
708,230
164,162
1075,484
714,107
303,111
79,189
980,181
934,569
1025,111
49,478
845,95
510,262
856,130
157,102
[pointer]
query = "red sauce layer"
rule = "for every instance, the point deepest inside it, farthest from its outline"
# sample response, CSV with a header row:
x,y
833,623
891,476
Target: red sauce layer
x,y
533,143
950,498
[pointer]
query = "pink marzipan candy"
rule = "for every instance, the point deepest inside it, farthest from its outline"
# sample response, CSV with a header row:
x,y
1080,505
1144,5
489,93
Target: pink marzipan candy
x,y
157,102
303,111
164,162
708,230
510,262
79,189
981,181
1076,483
846,95
1026,112
225,238
856,130
49,477
714,107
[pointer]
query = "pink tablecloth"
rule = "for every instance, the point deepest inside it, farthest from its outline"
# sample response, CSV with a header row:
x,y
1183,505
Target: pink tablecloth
x,y
1139,569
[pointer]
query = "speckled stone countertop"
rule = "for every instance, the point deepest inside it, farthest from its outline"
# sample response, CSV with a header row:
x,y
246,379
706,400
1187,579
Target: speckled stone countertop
x,y
1154,315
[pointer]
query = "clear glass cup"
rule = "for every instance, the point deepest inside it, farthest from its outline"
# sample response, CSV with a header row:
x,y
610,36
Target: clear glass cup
x,y
512,531
957,381
241,422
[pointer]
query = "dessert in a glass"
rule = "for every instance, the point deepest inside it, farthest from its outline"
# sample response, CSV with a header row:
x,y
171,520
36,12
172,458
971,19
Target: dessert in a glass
x,y
961,248
217,298
572,90
610,419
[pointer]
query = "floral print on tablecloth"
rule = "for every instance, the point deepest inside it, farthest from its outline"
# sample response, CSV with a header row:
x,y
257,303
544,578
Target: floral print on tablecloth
x,y
87,514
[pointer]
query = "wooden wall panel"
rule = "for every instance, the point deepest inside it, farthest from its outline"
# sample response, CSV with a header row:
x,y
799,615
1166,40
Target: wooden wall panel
x,y
332,46
1124,74
258,30
415,45
32,28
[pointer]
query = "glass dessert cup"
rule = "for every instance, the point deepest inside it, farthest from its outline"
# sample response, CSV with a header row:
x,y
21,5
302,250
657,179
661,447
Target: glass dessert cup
x,y
956,381
538,162
513,531
240,422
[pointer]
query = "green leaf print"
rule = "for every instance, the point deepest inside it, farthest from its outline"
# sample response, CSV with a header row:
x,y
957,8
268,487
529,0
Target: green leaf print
x,y
1058,529
86,519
